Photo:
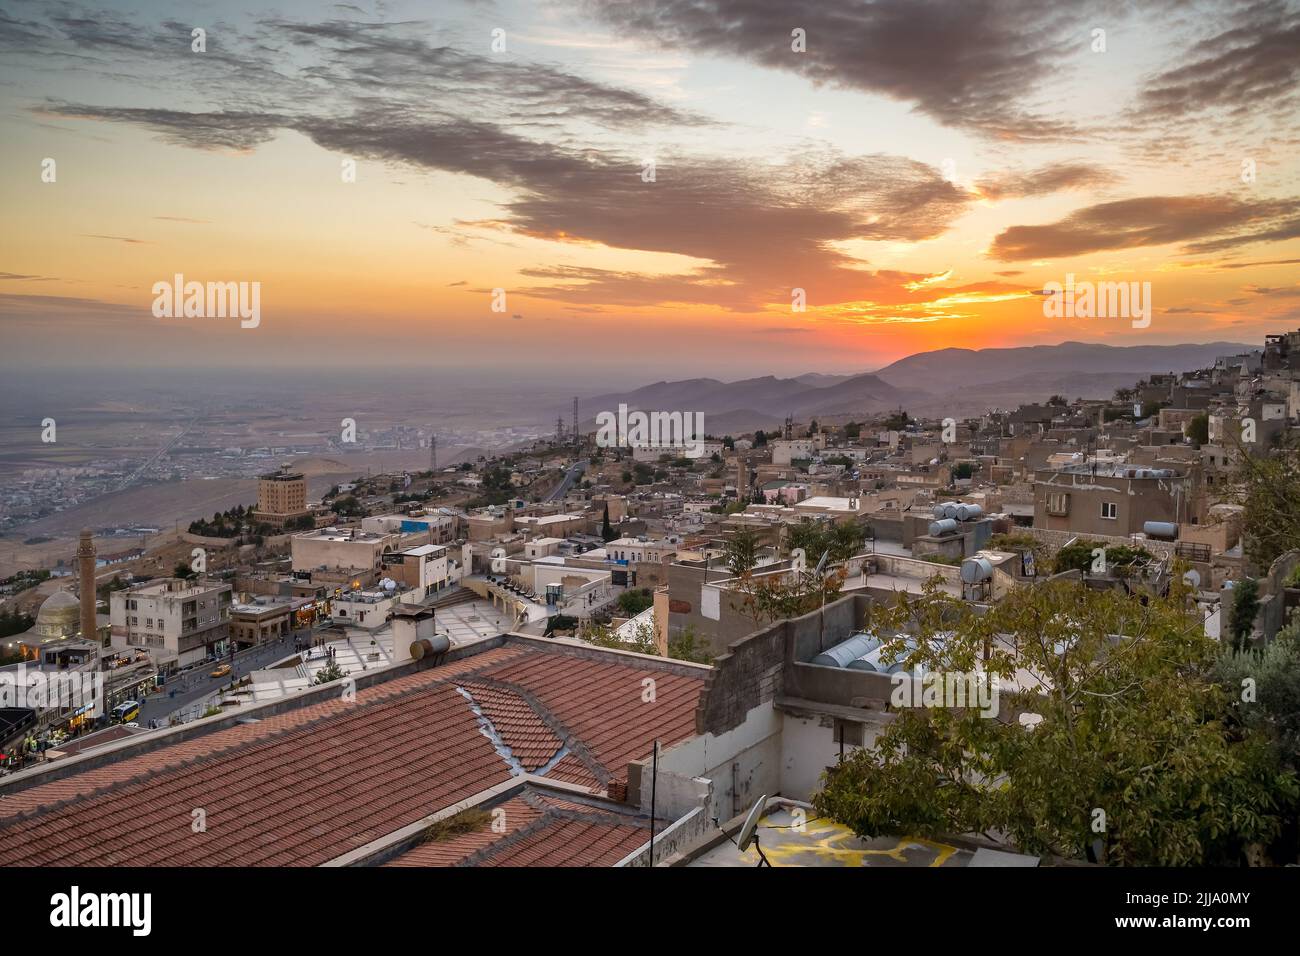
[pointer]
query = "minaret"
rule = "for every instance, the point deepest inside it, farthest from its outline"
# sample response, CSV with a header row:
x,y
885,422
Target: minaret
x,y
86,566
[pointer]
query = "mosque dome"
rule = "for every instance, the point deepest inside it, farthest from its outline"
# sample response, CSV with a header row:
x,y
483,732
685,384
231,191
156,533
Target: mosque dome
x,y
59,616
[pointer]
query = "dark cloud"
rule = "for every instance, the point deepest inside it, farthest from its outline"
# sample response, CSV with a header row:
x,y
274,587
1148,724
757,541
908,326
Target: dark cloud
x,y
1251,265
1147,221
968,65
1044,181
1252,66
218,130
761,229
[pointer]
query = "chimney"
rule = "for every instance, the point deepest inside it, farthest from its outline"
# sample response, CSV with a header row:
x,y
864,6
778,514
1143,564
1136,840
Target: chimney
x,y
86,566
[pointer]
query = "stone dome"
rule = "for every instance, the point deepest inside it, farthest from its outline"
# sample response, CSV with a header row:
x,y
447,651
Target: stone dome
x,y
59,616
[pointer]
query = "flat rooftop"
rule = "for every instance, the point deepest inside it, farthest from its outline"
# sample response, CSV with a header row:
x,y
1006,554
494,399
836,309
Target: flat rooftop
x,y
336,534
822,842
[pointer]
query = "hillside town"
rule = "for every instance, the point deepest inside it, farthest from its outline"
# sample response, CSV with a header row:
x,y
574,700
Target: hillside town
x,y
601,650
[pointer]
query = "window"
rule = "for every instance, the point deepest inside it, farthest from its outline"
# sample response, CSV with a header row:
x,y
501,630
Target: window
x,y
1058,503
1109,510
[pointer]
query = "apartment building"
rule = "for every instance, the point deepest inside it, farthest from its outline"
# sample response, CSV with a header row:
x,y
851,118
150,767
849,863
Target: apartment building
x,y
338,549
281,497
178,622
426,568
1109,498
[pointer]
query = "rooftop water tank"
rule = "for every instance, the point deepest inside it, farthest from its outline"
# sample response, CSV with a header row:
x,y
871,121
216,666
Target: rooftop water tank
x,y
939,511
428,646
974,570
969,512
1160,529
843,653
946,526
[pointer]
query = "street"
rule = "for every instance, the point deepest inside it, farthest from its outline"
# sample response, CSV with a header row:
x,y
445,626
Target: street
x,y
196,684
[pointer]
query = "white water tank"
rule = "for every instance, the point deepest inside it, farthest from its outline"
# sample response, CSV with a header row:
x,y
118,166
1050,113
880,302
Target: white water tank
x,y
946,526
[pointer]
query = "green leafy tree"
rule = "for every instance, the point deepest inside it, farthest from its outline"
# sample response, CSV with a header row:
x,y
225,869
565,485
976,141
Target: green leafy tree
x,y
1198,429
1132,734
607,531
329,673
1245,606
1268,488
741,551
633,602
689,646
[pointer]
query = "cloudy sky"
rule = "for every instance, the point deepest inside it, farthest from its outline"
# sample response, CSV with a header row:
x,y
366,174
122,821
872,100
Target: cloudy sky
x,y
919,169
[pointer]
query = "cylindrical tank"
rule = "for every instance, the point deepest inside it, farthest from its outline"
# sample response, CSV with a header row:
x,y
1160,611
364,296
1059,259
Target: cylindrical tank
x,y
946,526
862,664
1160,529
970,512
843,653
429,646
939,511
950,509
974,570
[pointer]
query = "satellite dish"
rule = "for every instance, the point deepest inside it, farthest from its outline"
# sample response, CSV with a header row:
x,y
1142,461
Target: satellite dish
x,y
749,829
1192,578
821,565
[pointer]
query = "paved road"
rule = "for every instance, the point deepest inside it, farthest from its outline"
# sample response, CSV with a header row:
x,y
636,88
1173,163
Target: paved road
x,y
196,685
575,471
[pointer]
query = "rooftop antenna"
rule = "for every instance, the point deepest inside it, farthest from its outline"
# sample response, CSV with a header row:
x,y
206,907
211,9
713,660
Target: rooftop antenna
x,y
749,831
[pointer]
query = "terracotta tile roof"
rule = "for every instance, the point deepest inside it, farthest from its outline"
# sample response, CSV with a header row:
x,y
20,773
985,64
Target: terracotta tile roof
x,y
538,830
305,786
605,705
531,742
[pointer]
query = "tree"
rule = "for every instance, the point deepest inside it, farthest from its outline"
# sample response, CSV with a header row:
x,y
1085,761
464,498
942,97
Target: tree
x,y
607,531
776,597
641,639
898,421
1268,488
1245,606
329,673
760,438
963,470
1155,772
741,551
184,571
1058,401
688,646
634,602
1198,429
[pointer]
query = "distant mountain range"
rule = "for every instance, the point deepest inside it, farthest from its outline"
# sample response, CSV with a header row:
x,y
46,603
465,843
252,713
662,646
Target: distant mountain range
x,y
958,382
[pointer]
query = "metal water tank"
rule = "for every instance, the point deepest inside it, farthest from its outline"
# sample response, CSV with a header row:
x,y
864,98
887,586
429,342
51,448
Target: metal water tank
x,y
843,653
946,526
428,646
974,570
1160,529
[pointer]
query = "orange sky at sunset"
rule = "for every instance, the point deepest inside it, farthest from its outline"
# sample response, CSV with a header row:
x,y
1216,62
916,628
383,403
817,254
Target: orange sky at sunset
x,y
920,177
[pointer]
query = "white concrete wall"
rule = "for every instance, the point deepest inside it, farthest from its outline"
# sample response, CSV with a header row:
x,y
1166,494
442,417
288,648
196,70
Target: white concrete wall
x,y
754,748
